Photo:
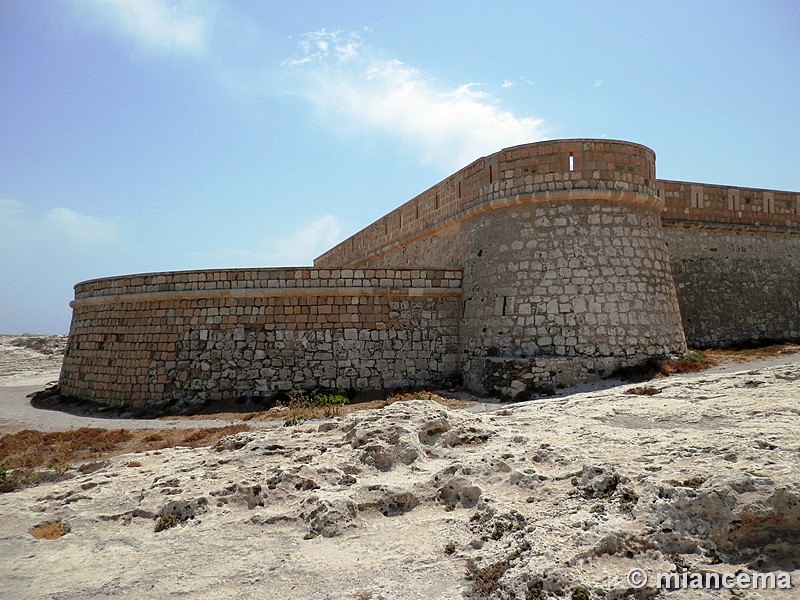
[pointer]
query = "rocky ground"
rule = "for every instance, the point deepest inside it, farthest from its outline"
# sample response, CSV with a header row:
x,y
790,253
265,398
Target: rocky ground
x,y
555,498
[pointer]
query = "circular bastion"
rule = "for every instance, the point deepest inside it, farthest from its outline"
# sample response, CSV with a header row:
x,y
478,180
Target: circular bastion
x,y
566,271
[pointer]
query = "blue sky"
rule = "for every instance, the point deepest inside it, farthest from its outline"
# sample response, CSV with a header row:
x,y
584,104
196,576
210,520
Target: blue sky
x,y
152,135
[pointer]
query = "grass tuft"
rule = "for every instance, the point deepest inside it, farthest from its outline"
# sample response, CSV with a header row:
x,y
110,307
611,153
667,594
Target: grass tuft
x,y
309,405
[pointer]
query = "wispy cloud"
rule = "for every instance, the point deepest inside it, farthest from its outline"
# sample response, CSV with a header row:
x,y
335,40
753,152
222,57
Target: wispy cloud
x,y
13,224
83,230
303,245
157,25
446,126
19,226
295,248
598,83
507,84
325,46
10,209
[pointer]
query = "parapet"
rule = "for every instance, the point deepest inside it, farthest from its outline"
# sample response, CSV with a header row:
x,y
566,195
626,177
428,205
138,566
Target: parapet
x,y
691,204
261,282
568,170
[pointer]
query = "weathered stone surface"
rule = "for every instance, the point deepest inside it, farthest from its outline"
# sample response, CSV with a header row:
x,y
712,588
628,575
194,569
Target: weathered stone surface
x,y
409,502
129,345
736,287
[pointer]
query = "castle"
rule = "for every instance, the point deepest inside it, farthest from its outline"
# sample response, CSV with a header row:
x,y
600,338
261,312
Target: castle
x,y
540,265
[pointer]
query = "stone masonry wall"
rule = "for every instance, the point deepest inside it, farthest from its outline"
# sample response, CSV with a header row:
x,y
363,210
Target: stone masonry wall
x,y
587,280
736,286
747,295
213,335
694,203
556,292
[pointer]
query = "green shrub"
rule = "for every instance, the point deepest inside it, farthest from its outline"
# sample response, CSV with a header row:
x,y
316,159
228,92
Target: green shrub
x,y
316,403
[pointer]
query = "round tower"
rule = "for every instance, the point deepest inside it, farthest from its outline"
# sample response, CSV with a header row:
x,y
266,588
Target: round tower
x,y
566,276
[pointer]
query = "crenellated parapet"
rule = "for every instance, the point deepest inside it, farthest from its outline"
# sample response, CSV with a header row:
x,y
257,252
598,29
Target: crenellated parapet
x,y
688,204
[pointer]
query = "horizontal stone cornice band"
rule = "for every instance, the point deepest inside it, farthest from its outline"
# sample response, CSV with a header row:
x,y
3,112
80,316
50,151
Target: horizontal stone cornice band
x,y
743,227
297,292
574,195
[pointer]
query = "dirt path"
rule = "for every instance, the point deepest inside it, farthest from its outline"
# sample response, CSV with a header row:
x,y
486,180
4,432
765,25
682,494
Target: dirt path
x,y
16,414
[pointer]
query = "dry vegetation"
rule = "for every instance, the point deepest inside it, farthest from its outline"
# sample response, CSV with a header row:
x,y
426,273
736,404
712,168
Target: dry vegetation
x,y
741,355
700,360
49,530
27,457
643,390
363,401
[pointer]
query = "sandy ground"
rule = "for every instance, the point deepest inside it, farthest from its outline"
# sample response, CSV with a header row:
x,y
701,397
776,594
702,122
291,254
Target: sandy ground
x,y
29,363
555,498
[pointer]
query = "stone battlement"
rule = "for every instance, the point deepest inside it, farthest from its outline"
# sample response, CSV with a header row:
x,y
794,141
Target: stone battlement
x,y
263,281
564,170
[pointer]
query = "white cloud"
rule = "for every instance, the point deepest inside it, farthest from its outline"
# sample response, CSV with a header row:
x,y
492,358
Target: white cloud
x,y
324,46
19,227
13,224
448,127
507,84
83,230
296,248
159,25
303,245
598,83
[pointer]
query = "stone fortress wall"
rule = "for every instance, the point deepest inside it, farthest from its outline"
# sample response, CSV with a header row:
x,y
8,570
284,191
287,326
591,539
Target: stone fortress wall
x,y
735,257
159,338
539,265
563,255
